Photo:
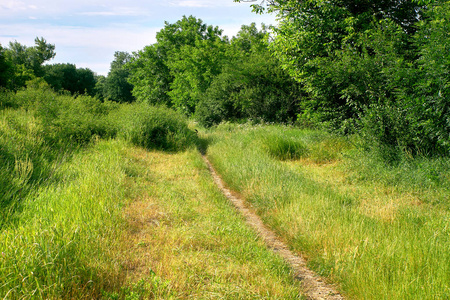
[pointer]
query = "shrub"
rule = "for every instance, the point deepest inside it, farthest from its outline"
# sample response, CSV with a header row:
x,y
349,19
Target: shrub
x,y
75,119
154,127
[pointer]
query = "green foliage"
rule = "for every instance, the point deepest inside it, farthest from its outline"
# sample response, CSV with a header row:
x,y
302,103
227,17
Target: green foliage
x,y
5,68
153,127
379,68
252,85
343,53
179,66
31,57
429,104
197,71
217,103
5,99
25,63
414,116
116,86
193,69
67,77
150,76
78,120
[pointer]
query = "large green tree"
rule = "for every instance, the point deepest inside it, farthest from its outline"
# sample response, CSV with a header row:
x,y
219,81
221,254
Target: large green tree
x,y
116,86
179,65
26,62
340,50
252,84
31,57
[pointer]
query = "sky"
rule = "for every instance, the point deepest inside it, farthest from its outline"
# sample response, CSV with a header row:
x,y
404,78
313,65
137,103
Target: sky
x,y
87,33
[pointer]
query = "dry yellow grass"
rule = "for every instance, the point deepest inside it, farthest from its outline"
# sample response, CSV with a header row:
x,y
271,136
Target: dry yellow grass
x,y
374,200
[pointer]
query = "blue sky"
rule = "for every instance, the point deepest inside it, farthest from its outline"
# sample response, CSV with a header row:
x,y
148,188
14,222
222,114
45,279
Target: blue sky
x,y
88,32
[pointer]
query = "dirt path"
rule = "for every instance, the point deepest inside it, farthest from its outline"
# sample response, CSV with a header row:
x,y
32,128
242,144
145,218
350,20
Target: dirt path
x,y
314,287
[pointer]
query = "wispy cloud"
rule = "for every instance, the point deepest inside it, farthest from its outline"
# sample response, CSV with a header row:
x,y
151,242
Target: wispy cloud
x,y
13,5
202,3
192,3
87,32
117,11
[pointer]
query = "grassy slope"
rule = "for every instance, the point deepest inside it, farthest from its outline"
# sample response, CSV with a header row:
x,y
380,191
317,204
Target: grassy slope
x,y
379,235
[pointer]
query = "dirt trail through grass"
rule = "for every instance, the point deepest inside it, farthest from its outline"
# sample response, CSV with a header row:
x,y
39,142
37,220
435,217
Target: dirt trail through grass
x,y
314,286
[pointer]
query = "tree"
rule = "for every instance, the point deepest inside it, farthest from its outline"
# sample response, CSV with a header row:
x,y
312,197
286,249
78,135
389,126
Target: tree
x,y
341,51
169,71
427,99
252,84
116,85
70,78
193,69
27,62
150,76
5,68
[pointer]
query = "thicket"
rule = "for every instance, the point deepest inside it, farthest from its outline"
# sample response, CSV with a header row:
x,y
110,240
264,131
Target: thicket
x,y
378,68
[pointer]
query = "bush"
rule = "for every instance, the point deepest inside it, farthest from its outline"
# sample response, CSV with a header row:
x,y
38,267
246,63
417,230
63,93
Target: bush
x,y
154,127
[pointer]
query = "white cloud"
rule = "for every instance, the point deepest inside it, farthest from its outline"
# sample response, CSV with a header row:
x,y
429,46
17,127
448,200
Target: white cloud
x,y
88,48
88,32
117,11
13,5
192,3
202,3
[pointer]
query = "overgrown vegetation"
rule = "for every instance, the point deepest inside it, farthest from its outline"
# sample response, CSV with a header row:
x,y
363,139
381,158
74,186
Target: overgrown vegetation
x,y
378,68
380,231
364,195
62,186
201,73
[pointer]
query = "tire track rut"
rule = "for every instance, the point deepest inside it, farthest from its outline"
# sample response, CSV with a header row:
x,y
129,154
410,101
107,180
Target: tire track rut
x,y
314,287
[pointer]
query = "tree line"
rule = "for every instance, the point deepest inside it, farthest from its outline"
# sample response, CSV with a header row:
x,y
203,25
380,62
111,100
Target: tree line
x,y
195,69
379,69
21,65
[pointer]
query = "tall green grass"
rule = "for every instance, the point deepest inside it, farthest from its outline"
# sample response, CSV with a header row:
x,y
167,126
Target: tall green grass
x,y
56,249
187,242
62,186
396,249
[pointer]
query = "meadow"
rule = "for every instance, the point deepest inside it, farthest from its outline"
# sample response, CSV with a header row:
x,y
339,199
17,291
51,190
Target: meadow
x,y
101,200
108,201
379,229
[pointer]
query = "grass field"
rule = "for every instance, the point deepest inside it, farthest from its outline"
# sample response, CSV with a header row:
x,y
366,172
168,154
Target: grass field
x,y
380,231
91,211
185,241
107,201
